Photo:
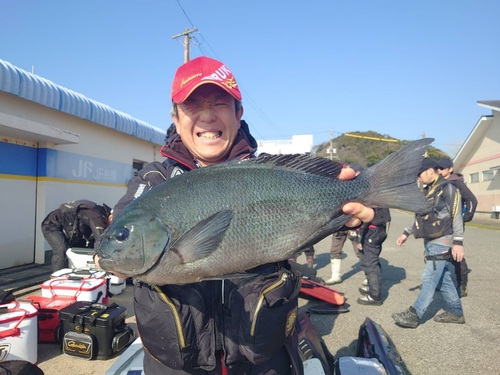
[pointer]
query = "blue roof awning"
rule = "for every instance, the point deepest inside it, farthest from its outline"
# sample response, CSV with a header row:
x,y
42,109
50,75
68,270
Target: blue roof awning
x,y
31,87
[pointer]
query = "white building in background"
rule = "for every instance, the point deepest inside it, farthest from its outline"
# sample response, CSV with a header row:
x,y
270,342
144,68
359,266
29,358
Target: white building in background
x,y
57,145
299,144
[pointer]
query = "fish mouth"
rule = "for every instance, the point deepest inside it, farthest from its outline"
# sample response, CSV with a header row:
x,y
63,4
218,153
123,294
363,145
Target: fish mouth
x,y
209,135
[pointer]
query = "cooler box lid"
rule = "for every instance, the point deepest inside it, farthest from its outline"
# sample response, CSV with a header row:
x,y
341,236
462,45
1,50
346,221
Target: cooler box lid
x,y
16,311
73,283
51,304
96,314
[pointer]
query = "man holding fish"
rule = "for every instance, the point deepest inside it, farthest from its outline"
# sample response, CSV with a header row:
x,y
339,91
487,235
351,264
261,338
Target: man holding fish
x,y
209,248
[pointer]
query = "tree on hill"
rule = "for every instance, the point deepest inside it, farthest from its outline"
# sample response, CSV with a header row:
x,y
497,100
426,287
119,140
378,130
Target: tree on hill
x,y
366,148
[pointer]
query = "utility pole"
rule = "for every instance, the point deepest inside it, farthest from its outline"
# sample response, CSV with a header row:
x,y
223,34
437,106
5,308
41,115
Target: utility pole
x,y
331,144
185,34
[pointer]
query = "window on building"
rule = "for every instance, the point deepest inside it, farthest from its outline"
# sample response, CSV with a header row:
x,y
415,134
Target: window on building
x,y
137,165
488,175
474,177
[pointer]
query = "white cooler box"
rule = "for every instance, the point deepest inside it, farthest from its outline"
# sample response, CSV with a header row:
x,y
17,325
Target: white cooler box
x,y
81,257
82,289
18,332
116,285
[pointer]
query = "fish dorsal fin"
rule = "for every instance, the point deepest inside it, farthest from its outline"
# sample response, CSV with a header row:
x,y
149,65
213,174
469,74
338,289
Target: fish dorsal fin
x,y
305,163
202,239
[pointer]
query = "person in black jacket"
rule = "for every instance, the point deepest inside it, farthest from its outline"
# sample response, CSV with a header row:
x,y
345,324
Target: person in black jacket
x,y
73,224
216,326
469,201
371,237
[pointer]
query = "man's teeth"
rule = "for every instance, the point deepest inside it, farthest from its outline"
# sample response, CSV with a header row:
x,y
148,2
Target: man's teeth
x,y
210,135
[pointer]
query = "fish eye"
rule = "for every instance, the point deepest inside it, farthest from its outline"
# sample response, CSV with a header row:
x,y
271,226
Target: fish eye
x,y
122,234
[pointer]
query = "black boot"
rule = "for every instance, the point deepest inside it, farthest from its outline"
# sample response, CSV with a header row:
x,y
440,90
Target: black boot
x,y
462,287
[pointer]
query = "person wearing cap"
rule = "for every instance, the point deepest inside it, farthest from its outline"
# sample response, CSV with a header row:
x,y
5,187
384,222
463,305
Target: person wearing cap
x,y
442,232
338,241
216,326
469,201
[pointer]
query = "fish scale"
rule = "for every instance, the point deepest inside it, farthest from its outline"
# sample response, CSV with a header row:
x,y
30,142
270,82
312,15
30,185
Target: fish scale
x,y
218,221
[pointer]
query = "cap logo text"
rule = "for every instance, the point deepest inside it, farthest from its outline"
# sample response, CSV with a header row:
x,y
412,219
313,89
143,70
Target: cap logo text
x,y
184,81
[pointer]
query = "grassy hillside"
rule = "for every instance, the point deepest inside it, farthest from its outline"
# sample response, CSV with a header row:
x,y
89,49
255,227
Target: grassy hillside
x,y
366,152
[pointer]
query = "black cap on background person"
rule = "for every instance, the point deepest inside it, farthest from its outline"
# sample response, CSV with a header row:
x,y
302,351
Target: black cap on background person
x,y
445,163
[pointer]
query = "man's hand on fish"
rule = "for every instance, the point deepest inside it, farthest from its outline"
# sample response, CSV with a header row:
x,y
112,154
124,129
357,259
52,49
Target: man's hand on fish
x,y
360,212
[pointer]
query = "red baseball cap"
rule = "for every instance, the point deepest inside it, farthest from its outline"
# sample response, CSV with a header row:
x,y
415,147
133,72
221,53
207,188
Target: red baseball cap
x,y
200,71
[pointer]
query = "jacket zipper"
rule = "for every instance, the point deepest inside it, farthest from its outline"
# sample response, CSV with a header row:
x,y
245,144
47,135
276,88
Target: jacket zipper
x,y
218,308
178,325
260,302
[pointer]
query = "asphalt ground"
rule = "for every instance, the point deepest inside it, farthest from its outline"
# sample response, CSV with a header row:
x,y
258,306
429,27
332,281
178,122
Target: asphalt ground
x,y
432,348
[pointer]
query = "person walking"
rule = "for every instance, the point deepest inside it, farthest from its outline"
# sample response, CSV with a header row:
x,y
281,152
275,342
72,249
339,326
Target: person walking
x,y
372,236
73,224
218,326
442,232
469,203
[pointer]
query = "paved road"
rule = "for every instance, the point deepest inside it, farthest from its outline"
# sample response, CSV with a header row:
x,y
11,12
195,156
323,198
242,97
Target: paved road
x,y
432,348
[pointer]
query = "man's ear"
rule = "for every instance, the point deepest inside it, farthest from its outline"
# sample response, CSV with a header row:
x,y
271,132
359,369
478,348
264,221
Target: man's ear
x,y
175,120
239,114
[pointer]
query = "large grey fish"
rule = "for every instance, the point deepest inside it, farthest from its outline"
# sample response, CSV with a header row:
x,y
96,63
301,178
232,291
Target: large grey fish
x,y
218,221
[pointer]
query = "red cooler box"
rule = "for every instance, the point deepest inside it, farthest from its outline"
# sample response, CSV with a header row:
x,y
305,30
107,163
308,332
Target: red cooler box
x,y
18,332
82,289
49,324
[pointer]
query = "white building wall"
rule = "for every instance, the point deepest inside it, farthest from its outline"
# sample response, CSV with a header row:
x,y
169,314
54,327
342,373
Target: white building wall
x,y
95,164
484,155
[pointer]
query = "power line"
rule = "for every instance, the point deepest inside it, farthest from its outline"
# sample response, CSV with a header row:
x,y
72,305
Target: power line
x,y
178,2
199,44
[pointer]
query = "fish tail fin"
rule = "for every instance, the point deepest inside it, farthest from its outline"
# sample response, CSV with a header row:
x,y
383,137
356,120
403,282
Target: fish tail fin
x,y
393,181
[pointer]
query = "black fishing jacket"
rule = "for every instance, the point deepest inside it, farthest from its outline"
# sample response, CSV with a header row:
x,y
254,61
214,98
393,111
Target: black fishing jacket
x,y
186,328
73,224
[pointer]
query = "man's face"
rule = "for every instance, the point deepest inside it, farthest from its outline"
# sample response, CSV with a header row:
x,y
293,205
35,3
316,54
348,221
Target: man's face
x,y
208,123
445,172
427,176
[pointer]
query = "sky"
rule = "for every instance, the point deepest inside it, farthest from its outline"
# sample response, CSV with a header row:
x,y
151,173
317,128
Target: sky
x,y
400,68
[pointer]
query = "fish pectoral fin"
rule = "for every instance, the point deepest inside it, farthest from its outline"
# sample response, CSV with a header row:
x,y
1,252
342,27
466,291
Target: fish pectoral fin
x,y
202,239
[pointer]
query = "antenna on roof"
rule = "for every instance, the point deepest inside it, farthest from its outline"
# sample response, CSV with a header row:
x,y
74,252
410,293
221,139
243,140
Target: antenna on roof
x,y
32,69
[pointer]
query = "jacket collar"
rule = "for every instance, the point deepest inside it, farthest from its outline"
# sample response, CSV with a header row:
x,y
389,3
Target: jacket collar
x,y
244,146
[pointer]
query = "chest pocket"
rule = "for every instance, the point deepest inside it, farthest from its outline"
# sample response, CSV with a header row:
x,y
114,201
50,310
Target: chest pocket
x,y
259,316
436,223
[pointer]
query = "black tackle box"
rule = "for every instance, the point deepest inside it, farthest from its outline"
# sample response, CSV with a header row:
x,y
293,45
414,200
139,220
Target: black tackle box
x,y
94,330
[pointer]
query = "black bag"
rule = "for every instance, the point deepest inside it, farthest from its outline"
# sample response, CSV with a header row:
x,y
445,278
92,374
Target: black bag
x,y
18,367
6,297
311,345
374,342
